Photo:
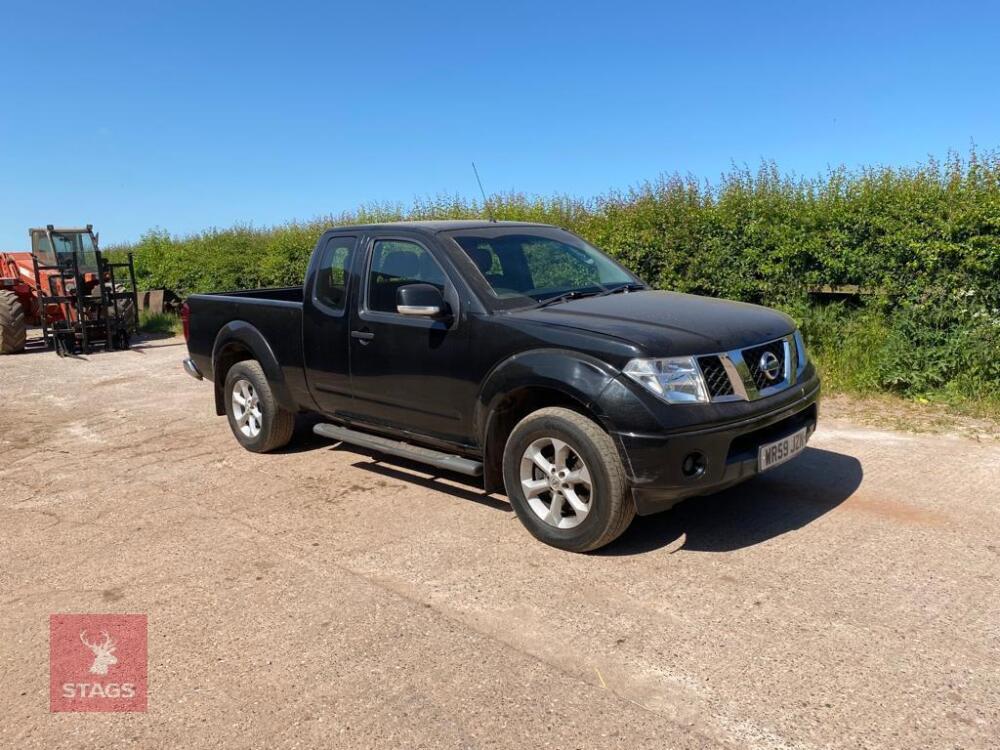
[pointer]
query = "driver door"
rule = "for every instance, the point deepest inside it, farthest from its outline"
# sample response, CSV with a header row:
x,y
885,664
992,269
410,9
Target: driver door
x,y
407,371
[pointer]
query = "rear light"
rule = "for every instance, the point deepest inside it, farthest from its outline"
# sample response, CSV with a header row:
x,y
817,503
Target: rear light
x,y
186,321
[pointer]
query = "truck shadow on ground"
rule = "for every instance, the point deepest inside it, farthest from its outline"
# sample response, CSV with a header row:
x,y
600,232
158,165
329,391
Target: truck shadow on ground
x,y
393,467
785,499
418,475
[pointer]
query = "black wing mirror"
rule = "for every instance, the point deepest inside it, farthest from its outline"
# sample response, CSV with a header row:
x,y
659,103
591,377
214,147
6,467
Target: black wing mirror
x,y
420,299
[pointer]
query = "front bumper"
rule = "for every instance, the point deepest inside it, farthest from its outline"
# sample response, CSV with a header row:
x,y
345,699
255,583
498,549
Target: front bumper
x,y
729,452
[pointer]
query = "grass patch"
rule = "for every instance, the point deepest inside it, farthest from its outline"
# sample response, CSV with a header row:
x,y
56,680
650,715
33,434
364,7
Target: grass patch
x,y
927,354
159,322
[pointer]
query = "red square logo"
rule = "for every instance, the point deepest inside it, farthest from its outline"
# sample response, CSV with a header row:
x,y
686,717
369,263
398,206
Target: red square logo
x,y
97,662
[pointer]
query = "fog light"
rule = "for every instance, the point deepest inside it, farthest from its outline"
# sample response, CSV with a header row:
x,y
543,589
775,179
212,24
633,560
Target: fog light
x,y
693,465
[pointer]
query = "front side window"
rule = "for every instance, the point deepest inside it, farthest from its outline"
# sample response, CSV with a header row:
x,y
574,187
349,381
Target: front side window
x,y
396,263
331,276
537,267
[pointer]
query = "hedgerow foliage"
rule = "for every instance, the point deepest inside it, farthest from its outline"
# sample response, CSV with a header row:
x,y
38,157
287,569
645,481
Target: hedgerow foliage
x,y
923,243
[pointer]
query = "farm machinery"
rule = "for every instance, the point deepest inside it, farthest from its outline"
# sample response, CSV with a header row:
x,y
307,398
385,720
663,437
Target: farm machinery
x,y
70,289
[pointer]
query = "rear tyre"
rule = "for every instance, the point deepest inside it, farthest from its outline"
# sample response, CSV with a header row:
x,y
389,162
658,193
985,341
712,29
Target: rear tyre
x,y
258,422
13,327
127,310
126,307
565,480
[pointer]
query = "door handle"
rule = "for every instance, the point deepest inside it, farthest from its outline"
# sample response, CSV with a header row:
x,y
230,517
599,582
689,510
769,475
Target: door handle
x,y
363,336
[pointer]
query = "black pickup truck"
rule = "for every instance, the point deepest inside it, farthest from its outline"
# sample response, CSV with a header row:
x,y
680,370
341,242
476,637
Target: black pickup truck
x,y
517,353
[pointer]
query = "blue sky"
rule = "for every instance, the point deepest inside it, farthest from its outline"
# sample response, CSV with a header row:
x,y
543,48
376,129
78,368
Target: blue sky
x,y
184,115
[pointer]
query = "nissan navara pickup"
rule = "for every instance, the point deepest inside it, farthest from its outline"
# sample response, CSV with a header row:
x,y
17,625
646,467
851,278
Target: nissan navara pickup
x,y
518,354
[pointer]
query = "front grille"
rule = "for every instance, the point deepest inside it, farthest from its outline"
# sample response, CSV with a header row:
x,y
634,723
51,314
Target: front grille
x,y
753,357
715,376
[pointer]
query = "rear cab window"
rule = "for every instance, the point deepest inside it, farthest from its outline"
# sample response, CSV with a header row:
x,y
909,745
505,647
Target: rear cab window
x,y
333,273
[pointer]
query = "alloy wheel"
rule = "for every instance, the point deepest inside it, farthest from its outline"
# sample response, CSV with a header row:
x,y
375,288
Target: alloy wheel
x,y
246,408
556,483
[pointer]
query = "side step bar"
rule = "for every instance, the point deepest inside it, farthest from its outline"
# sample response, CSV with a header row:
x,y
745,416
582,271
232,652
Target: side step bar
x,y
428,456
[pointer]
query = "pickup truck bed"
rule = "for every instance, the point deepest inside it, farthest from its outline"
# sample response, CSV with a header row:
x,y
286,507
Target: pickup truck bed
x,y
271,313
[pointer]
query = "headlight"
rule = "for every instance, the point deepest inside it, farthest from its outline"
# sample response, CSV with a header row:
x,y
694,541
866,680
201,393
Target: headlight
x,y
677,380
800,346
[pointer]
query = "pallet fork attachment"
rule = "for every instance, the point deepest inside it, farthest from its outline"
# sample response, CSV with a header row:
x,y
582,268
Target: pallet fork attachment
x,y
74,322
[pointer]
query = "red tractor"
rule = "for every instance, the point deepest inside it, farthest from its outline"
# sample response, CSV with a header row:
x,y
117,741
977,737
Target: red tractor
x,y
66,286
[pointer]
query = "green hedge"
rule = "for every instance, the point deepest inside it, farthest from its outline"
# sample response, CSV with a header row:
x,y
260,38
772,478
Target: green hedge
x,y
923,243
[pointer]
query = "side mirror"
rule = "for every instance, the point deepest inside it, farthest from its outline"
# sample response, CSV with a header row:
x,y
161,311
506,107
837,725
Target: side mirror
x,y
419,299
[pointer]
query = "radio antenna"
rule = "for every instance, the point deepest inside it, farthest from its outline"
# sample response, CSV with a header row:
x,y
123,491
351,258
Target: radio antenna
x,y
486,203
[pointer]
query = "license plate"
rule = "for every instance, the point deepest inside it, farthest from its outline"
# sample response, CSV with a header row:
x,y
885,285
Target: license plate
x,y
773,454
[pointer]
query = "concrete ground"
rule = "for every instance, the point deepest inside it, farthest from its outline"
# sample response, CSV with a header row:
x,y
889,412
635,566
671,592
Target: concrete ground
x,y
319,597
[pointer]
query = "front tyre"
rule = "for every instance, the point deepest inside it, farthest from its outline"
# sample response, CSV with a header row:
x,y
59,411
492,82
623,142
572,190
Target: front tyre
x,y
566,481
258,422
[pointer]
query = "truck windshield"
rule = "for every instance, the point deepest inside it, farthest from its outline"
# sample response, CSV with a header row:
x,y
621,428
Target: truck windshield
x,y
536,267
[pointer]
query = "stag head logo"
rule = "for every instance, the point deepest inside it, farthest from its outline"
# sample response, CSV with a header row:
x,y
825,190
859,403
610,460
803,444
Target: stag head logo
x,y
104,652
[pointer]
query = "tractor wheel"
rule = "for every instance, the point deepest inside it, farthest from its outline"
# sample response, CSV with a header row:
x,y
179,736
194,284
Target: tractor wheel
x,y
126,308
13,329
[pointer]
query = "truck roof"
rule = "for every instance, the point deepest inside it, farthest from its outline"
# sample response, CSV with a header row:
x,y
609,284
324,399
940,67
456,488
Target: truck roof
x,y
435,226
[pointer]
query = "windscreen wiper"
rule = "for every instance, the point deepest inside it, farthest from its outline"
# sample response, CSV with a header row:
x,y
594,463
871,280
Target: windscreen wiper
x,y
566,297
629,287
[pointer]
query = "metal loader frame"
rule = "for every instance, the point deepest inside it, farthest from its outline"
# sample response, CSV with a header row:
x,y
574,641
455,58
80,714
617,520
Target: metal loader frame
x,y
87,321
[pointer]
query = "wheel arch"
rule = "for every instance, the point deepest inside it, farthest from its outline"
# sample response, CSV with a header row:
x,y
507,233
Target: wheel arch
x,y
530,381
237,341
